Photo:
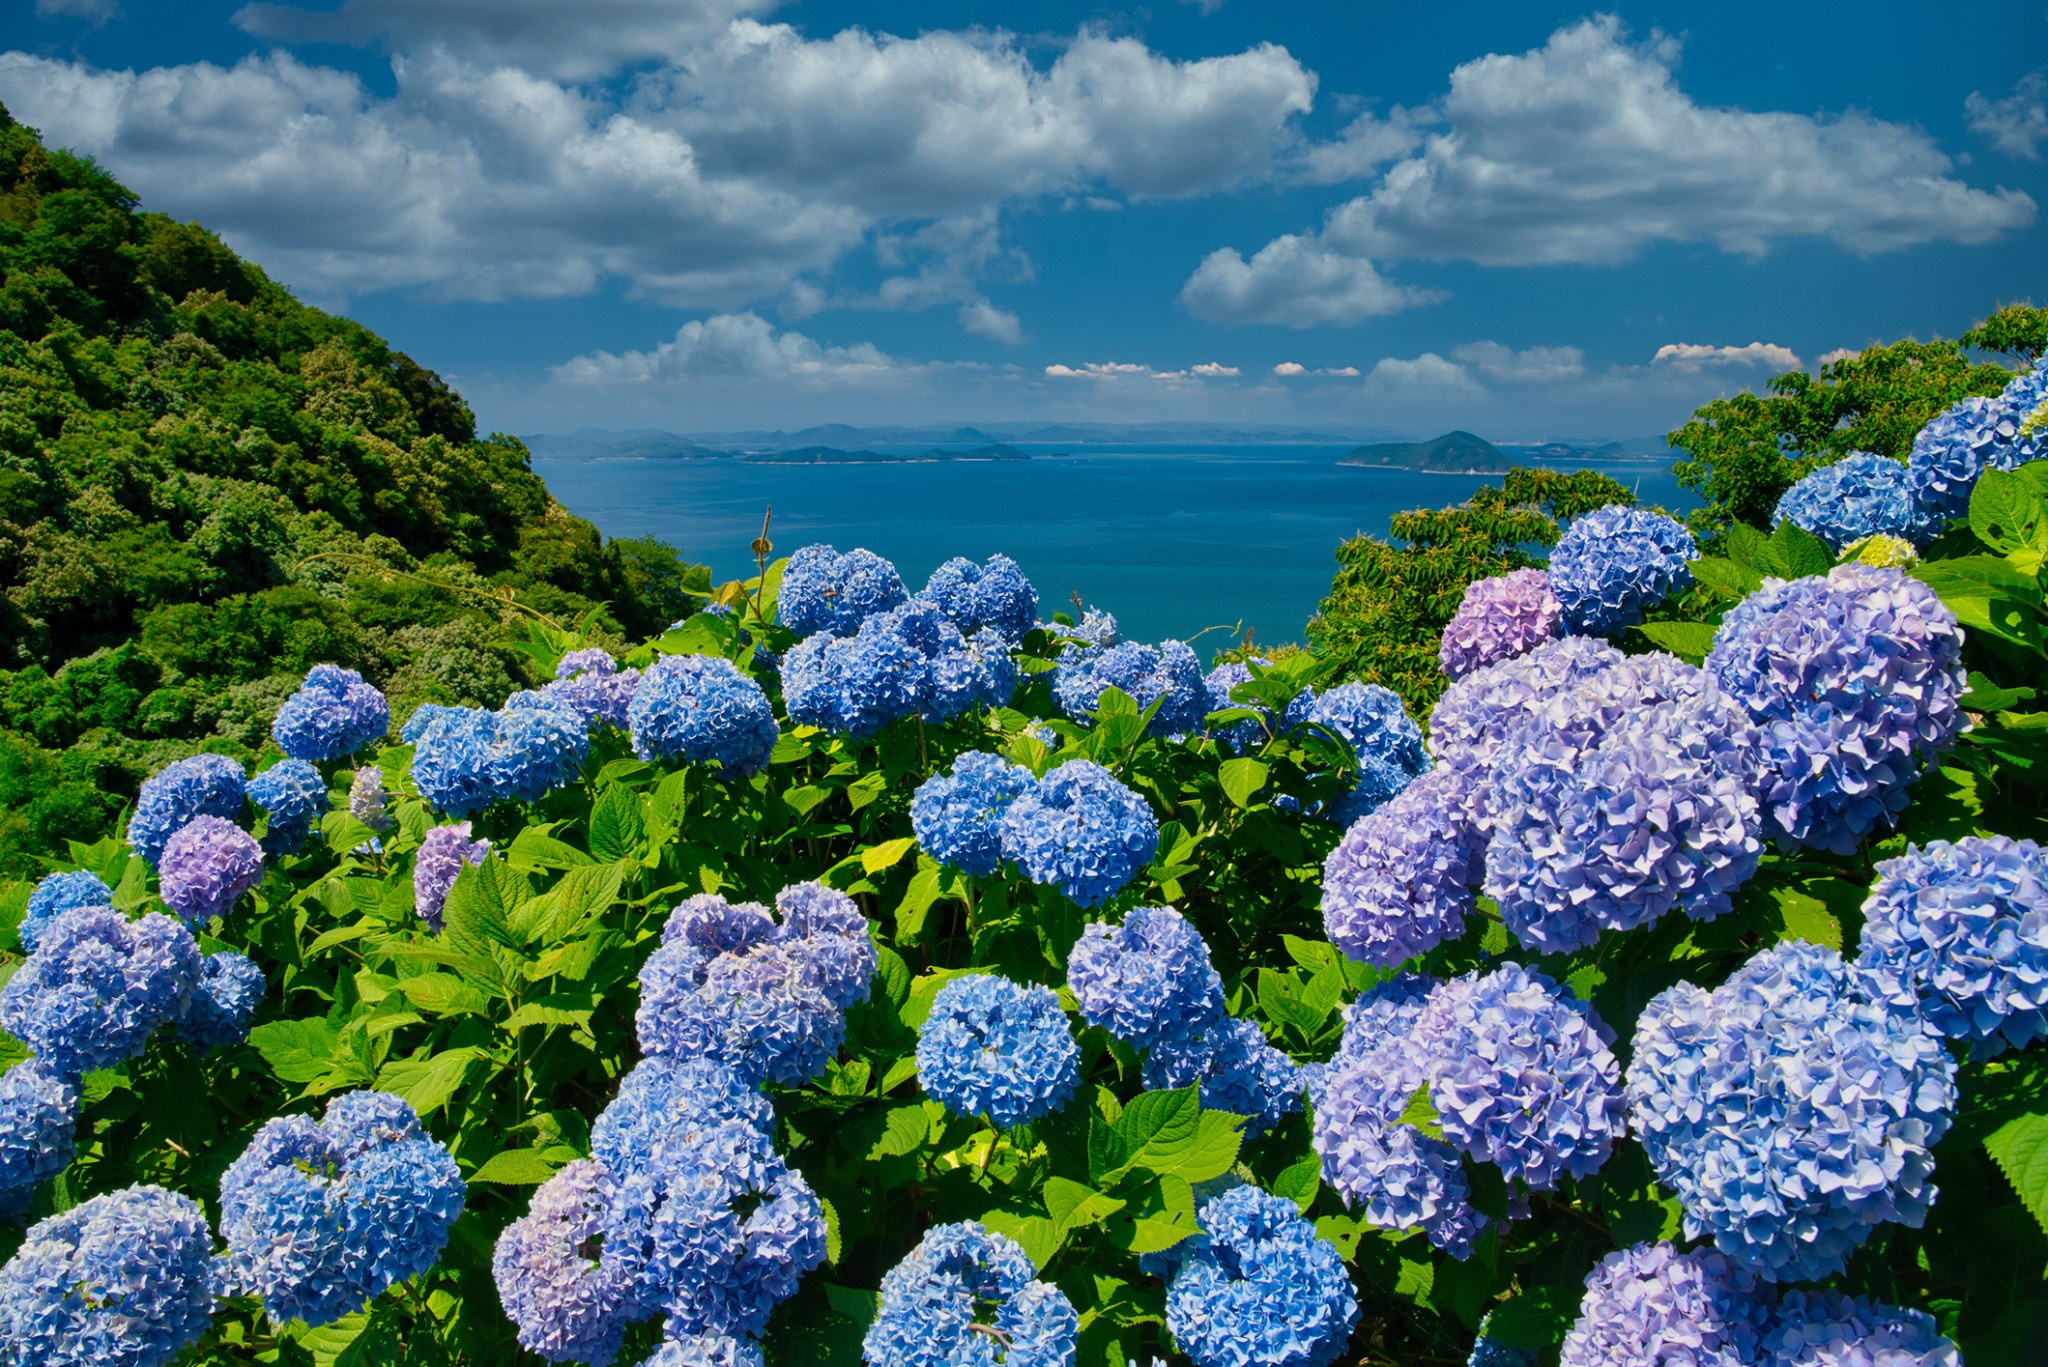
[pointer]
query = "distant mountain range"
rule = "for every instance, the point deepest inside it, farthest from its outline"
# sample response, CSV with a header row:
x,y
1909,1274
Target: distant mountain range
x,y
1461,453
832,455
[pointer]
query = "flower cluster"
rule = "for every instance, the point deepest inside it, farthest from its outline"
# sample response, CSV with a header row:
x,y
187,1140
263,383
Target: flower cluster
x,y
570,1295
1959,932
1249,734
997,1048
1790,1110
823,590
1856,683
38,1117
957,816
464,758
319,1218
702,708
1829,1329
907,661
1475,715
367,800
295,796
204,785
441,855
1861,495
593,685
975,596
1498,619
1885,552
98,986
1258,1285
1168,675
1386,740
207,865
56,894
1953,451
1400,881
1081,831
1615,562
333,715
223,1001
932,1307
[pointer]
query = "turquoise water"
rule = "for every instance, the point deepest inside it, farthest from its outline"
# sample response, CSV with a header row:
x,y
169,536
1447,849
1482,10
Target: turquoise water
x,y
1173,541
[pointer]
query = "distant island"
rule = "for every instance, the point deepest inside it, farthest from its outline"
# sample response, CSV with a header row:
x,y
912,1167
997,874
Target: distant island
x,y
1454,453
832,455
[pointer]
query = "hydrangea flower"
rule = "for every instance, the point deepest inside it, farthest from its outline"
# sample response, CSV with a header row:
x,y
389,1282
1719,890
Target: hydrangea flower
x,y
442,853
367,800
1953,451
1491,1352
974,596
425,715
998,1048
38,1126
933,1307
1238,1071
1498,619
829,928
1885,552
1861,495
1248,735
1388,743
295,796
1080,831
223,1001
1258,1285
1400,881
465,759
707,1350
333,715
957,816
56,894
204,785
570,1292
823,590
1654,1303
591,682
207,866
1614,562
1856,684
908,661
703,708
320,1219
98,986
1147,980
1790,1110
661,1098
1829,1329
1168,674
1474,717
121,1280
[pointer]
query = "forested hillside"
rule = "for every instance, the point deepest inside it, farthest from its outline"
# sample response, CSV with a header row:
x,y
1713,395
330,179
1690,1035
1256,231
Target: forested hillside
x,y
207,486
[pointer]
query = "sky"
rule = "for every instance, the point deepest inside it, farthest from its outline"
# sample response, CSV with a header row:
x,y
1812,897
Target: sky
x,y
1531,221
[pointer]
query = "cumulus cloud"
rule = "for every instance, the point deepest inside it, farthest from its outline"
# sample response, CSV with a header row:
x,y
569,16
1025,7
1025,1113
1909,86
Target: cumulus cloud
x,y
1838,354
2017,124
1289,370
1692,357
1213,370
1294,282
983,319
1096,370
1533,365
732,348
1424,377
1367,143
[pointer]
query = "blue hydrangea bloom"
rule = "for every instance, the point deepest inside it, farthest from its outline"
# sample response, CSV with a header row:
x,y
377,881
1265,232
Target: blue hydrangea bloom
x,y
1654,1303
707,1350
957,816
660,1098
571,1293
98,986
1248,735
333,715
830,930
38,1127
295,795
702,708
56,894
442,853
823,590
591,682
1145,981
1491,1352
1955,449
1614,562
465,759
1386,740
121,1280
1258,1286
933,1303
1829,1329
1474,717
425,715
1400,881
1168,674
207,865
1862,494
204,785
1237,1070
974,596
1791,1110
1856,684
998,1048
1498,619
223,1001
1959,932
908,661
1080,831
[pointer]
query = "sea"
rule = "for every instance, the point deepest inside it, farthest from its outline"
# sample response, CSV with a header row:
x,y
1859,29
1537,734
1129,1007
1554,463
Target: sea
x,y
1209,544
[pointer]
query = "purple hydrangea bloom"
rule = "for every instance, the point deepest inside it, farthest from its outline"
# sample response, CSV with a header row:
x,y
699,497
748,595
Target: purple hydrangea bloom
x,y
1862,494
1856,684
1654,1303
98,986
465,759
1474,717
223,1001
1168,674
957,816
570,1292
997,1048
121,1280
1791,1110
367,800
38,1126
1400,881
1498,619
1080,831
974,596
442,853
663,1100
1259,1286
207,866
56,894
1829,1329
1959,932
591,683
295,796
933,1305
204,785
823,590
333,715
1614,562
1955,449
703,708
908,661
1147,980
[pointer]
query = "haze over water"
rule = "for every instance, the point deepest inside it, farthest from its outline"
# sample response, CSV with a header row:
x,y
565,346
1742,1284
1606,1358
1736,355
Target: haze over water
x,y
1171,540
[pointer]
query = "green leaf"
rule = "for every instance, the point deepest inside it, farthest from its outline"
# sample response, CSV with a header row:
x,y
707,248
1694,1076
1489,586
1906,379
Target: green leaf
x,y
444,994
1689,641
1803,553
1725,577
1073,1205
875,858
515,1168
430,1083
1752,550
616,825
1114,702
1535,1319
1038,1236
1300,1182
296,1050
2007,513
1168,1133
1241,778
1421,1113
358,1340
1805,917
2020,1148
918,900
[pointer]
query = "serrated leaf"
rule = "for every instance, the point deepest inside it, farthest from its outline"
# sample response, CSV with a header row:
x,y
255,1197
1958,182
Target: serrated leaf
x,y
875,858
296,1050
2007,512
444,994
1300,1182
2020,1148
1074,1205
430,1083
918,900
1241,778
1421,1114
357,1340
515,1168
1689,641
1803,553
1804,917
534,848
616,825
1036,1234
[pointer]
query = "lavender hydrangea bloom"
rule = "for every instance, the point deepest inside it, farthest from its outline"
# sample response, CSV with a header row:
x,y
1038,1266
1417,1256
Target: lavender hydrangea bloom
x,y
703,708
1400,881
1498,619
1953,451
1147,980
333,715
908,661
121,1280
570,1292
442,853
1477,713
974,596
932,1305
1959,932
1861,495
295,796
223,1001
957,816
661,1099
1258,1286
998,1048
38,1125
56,894
207,866
1614,562
823,590
1080,831
367,800
1791,1110
1856,683
1829,1329
1654,1303
204,785
98,986
1168,674
592,684
465,759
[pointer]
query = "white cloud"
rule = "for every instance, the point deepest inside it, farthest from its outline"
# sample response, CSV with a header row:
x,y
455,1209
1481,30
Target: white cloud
x,y
1427,376
97,11
1367,143
1289,370
1534,365
1838,354
1692,357
1295,282
1213,370
984,319
2017,124
1097,370
732,348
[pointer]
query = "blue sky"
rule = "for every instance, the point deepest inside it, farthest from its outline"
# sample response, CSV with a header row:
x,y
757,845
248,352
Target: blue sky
x,y
712,214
